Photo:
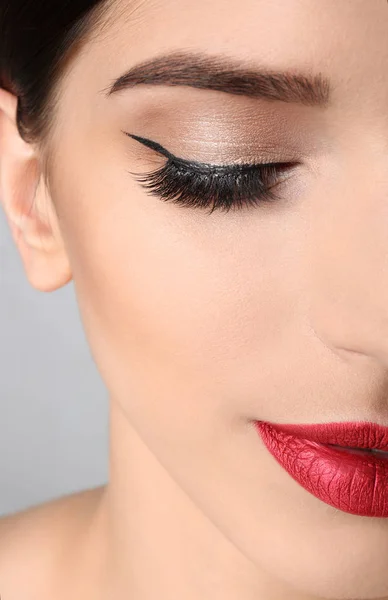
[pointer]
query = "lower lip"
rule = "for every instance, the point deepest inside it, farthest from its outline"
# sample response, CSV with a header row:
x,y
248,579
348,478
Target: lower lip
x,y
353,481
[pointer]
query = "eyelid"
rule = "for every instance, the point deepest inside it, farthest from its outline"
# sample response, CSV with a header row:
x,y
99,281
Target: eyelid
x,y
153,145
194,165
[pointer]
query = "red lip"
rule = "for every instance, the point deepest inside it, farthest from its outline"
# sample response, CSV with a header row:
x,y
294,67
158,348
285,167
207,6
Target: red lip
x,y
356,483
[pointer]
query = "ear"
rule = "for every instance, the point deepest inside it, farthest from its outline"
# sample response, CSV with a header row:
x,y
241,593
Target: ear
x,y
28,206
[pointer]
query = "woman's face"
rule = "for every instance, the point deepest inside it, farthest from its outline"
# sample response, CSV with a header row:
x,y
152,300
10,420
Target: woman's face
x,y
201,323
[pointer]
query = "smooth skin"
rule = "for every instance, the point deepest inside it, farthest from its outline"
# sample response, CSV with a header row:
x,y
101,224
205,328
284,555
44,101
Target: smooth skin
x,y
200,323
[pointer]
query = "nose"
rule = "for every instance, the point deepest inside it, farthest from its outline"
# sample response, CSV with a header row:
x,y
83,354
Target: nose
x,y
347,257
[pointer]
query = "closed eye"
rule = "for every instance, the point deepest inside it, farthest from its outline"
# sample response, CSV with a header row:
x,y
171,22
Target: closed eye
x,y
203,185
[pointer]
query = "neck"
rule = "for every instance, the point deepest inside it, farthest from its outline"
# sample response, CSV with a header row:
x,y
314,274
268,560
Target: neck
x,y
157,543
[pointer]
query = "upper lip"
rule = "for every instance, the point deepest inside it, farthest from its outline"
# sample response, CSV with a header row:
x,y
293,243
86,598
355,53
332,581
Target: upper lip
x,y
348,434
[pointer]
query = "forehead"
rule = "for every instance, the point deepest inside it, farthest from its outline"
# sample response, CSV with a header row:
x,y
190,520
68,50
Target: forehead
x,y
279,31
346,41
329,36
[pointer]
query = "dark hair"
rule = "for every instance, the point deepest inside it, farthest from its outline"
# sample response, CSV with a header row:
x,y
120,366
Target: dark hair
x,y
37,40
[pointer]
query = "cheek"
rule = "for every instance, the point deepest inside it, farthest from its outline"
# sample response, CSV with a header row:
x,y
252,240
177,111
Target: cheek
x,y
155,304
184,315
174,304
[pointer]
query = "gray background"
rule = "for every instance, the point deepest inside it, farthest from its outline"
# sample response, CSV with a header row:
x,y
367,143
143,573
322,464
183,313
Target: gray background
x,y
53,403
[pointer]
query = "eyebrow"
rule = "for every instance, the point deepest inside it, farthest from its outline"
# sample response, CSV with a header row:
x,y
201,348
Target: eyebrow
x,y
224,74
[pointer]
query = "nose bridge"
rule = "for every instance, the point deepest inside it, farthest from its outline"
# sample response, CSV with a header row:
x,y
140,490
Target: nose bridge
x,y
348,262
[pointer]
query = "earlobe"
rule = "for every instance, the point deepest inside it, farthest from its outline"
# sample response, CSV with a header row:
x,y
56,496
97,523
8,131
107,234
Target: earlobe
x,y
28,206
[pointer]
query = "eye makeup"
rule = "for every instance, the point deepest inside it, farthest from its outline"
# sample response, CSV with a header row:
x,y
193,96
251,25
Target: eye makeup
x,y
205,185
199,126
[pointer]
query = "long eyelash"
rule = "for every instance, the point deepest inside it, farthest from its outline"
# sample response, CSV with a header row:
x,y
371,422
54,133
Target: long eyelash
x,y
200,185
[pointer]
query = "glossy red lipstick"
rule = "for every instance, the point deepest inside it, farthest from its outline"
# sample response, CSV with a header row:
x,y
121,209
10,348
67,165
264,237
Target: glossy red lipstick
x,y
343,464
